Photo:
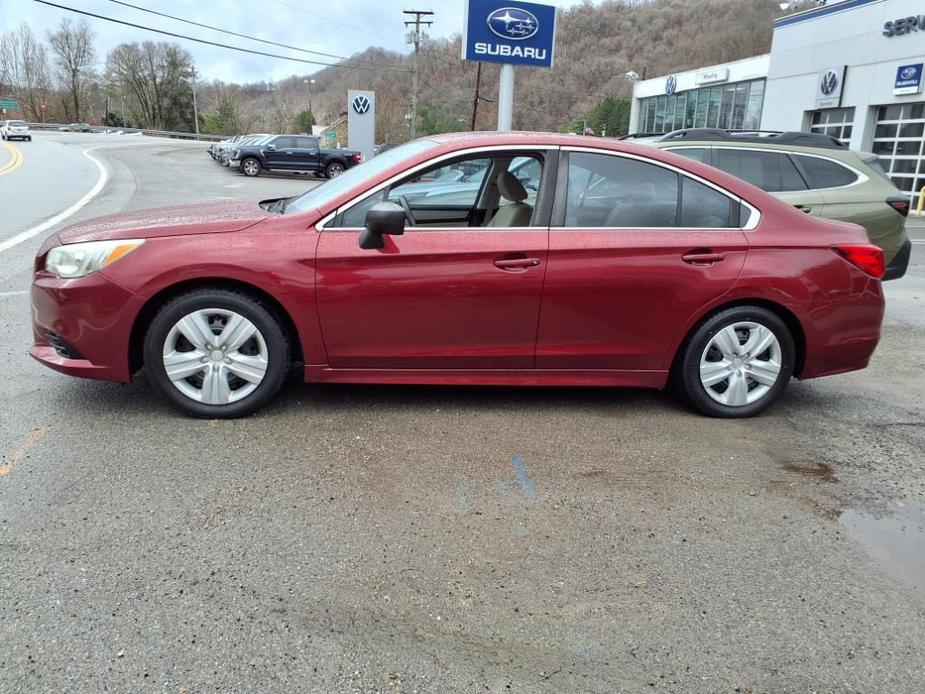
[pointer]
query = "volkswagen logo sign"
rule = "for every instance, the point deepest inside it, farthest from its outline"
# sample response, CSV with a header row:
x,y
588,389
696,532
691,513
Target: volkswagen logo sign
x,y
513,24
909,73
671,84
829,83
361,105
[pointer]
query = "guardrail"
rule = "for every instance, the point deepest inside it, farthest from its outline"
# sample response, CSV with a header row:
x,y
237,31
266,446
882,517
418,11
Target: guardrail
x,y
176,135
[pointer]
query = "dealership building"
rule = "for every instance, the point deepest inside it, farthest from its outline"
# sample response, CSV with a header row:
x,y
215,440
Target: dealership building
x,y
851,69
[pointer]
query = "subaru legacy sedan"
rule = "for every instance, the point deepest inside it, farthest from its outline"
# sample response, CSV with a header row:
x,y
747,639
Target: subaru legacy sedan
x,y
619,265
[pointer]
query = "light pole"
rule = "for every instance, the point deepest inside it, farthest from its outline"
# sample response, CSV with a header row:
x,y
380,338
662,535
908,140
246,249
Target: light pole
x,y
310,109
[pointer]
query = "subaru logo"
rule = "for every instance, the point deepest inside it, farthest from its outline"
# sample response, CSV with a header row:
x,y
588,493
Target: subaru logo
x,y
361,105
671,84
909,73
829,83
513,24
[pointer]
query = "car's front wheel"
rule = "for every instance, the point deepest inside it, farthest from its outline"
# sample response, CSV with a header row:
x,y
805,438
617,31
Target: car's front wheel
x,y
250,167
737,362
216,353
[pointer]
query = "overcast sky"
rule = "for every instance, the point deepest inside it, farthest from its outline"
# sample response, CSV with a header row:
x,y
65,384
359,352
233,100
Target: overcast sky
x,y
339,27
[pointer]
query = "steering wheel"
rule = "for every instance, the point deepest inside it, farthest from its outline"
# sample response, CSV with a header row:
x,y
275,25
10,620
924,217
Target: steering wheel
x,y
403,201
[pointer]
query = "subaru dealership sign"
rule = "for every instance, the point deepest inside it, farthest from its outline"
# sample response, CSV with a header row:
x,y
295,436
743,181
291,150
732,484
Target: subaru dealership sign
x,y
505,31
908,79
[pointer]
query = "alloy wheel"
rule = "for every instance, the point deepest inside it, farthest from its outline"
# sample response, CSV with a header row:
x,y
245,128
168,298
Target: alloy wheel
x,y
251,167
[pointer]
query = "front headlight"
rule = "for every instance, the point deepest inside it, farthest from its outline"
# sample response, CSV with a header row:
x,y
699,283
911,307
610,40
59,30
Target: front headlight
x,y
80,259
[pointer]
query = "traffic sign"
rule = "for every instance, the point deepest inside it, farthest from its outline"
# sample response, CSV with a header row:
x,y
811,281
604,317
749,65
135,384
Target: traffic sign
x,y
9,103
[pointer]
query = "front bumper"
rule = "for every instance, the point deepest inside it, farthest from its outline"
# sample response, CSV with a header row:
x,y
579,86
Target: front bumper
x,y
83,327
234,163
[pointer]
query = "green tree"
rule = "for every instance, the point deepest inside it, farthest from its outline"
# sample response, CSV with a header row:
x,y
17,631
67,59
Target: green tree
x,y
434,120
611,116
306,120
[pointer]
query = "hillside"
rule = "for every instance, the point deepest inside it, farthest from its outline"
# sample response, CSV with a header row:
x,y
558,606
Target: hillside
x,y
596,46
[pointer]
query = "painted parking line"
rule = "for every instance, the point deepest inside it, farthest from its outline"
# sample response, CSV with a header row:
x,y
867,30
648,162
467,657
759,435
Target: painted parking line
x,y
21,452
64,214
15,161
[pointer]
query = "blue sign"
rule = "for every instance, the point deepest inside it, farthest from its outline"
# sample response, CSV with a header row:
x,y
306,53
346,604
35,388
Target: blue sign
x,y
908,79
507,31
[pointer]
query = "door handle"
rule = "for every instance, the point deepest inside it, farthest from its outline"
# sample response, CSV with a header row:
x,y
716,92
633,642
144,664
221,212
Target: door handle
x,y
704,257
516,263
804,208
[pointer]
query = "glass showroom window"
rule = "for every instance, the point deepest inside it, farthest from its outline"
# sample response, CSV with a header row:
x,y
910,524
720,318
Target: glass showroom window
x,y
837,122
726,106
898,140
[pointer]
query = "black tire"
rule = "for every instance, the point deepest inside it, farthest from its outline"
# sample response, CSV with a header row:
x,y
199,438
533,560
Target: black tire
x,y
687,372
334,169
260,315
252,165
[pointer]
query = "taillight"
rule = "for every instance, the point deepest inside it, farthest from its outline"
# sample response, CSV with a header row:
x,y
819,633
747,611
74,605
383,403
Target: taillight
x,y
900,203
864,257
357,158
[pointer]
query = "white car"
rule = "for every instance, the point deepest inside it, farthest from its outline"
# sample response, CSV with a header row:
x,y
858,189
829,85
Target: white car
x,y
15,130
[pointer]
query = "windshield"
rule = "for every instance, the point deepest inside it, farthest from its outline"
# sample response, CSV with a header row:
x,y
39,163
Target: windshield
x,y
319,197
17,122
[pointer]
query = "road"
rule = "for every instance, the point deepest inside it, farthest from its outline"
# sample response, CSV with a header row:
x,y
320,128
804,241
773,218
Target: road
x,y
412,539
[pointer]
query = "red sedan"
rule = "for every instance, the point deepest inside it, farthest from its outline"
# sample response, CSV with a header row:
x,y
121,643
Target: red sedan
x,y
502,259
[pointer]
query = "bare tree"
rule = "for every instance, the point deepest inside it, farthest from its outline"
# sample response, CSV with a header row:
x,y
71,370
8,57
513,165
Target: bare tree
x,y
156,77
75,58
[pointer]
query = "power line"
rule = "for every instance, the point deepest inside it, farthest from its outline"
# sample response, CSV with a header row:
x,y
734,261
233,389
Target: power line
x,y
328,19
219,45
234,33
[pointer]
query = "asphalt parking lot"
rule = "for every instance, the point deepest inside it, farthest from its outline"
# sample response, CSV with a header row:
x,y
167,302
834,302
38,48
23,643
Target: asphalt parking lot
x,y
418,539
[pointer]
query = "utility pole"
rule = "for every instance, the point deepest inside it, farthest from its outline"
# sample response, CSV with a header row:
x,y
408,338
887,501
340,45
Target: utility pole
x,y
415,37
195,107
478,96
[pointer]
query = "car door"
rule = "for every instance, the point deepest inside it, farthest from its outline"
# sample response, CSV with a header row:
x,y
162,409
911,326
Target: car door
x,y
304,153
278,153
440,296
629,264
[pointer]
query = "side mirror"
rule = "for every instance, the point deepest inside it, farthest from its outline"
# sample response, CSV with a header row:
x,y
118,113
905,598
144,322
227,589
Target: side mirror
x,y
271,148
382,218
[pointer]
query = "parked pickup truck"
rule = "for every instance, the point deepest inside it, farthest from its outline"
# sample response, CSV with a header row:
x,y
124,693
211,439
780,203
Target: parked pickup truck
x,y
292,153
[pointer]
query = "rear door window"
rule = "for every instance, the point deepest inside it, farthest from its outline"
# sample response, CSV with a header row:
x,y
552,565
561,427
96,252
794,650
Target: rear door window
x,y
770,171
610,191
703,207
824,173
698,153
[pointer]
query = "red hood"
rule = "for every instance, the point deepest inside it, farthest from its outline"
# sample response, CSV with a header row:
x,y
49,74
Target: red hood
x,y
199,218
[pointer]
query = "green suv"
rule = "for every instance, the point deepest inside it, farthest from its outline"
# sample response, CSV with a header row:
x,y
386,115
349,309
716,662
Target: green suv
x,y
815,173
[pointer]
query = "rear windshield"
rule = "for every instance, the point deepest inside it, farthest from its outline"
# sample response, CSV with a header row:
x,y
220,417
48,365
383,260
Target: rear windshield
x,y
17,122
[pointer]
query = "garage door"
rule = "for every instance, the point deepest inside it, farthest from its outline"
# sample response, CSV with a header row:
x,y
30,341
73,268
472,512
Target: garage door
x,y
898,140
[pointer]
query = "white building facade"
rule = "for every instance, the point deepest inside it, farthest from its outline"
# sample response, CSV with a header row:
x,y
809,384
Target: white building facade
x,y
851,69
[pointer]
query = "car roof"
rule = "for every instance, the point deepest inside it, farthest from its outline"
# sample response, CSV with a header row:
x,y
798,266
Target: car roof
x,y
844,154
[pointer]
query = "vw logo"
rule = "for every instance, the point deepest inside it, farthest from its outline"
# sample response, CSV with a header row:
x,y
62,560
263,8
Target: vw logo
x,y
671,84
361,105
909,73
513,24
829,83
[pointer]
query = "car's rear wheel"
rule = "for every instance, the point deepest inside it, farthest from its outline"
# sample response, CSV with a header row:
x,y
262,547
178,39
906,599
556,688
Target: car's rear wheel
x,y
334,169
250,167
737,362
216,353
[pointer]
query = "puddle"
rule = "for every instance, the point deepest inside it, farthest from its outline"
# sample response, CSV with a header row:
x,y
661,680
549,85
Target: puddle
x,y
896,540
